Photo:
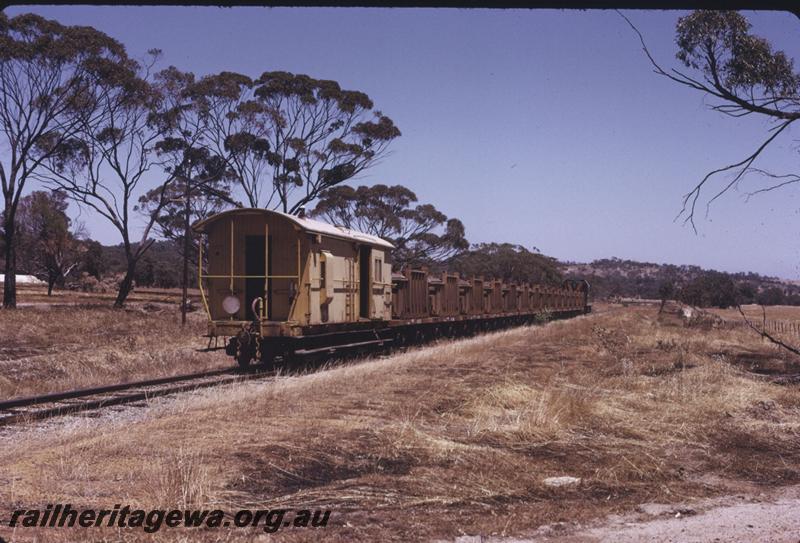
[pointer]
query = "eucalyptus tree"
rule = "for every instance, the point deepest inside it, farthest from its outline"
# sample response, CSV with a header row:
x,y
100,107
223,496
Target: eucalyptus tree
x,y
200,188
508,262
420,233
202,179
230,123
52,78
104,166
49,247
288,137
320,135
743,75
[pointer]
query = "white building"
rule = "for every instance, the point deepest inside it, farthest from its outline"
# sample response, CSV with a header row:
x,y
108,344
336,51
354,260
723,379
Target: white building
x,y
25,280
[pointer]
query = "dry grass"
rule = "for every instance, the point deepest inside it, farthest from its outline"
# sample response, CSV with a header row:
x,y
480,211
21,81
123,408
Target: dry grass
x,y
445,440
60,348
37,294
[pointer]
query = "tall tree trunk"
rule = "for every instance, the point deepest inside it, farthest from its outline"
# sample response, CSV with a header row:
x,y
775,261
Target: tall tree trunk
x,y
10,279
185,278
126,286
50,282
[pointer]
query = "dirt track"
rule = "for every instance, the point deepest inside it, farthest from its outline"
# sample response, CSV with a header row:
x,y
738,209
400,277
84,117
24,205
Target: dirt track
x,y
748,517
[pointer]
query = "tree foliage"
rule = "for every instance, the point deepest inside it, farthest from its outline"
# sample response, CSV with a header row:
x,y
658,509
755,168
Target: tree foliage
x,y
159,267
507,262
219,114
103,166
79,114
613,277
48,249
711,289
288,137
51,78
201,179
93,260
421,234
740,68
743,75
187,199
772,296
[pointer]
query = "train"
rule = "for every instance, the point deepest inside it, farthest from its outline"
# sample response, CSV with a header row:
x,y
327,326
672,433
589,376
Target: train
x,y
279,287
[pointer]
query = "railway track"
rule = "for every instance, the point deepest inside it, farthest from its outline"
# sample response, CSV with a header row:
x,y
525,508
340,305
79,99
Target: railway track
x,y
61,403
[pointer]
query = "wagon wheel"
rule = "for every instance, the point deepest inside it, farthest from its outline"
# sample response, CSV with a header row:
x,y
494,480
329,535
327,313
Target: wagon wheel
x,y
243,358
268,358
244,348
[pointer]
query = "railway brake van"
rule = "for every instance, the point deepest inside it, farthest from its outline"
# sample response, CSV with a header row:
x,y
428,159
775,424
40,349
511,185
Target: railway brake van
x,y
285,287
273,278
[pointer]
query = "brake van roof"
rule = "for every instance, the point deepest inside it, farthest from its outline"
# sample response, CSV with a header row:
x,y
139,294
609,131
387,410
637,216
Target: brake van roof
x,y
308,225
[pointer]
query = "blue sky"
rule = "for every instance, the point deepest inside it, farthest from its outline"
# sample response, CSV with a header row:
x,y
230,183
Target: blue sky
x,y
546,128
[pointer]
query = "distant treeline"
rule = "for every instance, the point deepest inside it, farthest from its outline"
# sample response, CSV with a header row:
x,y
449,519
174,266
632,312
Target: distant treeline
x,y
614,277
55,250
101,267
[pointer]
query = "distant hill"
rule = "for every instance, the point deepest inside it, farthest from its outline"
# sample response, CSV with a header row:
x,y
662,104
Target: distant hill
x,y
612,277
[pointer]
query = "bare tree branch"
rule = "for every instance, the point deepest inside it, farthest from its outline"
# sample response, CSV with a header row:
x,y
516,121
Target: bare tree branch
x,y
790,179
732,73
763,331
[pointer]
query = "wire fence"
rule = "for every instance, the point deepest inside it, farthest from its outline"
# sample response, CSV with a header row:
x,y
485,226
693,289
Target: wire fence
x,y
781,327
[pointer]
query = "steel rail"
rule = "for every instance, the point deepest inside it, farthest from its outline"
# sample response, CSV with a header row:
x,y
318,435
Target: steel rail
x,y
180,381
80,392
